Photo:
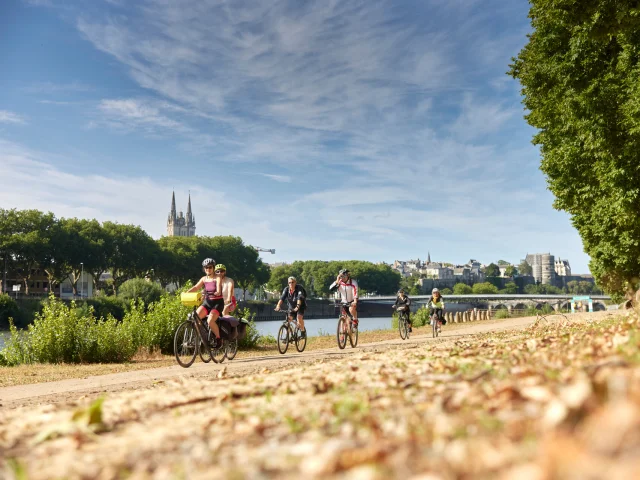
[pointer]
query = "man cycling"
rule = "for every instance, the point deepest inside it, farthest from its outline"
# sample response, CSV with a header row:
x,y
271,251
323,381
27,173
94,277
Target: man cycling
x,y
436,305
296,298
403,302
348,289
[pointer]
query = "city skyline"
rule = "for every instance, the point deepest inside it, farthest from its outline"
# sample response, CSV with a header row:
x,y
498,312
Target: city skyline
x,y
346,115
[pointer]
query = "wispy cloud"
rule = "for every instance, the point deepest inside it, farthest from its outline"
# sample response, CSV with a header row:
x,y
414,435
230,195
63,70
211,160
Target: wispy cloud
x,y
50,88
10,117
278,178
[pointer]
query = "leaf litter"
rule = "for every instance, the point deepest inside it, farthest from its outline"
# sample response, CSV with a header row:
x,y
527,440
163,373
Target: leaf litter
x,y
557,400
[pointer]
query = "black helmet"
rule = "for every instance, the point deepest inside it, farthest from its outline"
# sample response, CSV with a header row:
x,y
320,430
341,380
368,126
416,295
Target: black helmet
x,y
208,261
400,291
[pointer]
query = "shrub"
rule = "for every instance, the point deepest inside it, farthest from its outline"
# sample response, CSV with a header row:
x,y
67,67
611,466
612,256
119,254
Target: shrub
x,y
485,287
139,289
253,337
446,291
502,313
8,309
421,317
104,306
62,334
462,289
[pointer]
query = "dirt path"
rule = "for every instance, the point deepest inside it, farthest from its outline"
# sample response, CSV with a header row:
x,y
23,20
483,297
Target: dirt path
x,y
71,390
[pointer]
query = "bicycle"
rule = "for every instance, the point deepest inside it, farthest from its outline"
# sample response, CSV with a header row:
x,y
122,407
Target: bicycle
x,y
290,332
192,339
346,328
403,324
436,324
229,347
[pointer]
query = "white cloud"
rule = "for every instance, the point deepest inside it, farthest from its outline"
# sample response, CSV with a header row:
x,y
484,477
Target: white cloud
x,y
10,117
278,178
50,88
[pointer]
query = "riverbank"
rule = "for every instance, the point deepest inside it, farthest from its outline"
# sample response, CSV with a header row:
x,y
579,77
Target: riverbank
x,y
41,373
550,399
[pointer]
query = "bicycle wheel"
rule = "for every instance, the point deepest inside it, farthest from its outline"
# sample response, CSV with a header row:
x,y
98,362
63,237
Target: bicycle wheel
x,y
402,326
434,327
219,354
232,349
185,344
283,339
406,326
341,333
301,342
353,338
205,353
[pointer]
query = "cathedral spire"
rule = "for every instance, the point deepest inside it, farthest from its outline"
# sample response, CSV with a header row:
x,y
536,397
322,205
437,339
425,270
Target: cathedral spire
x,y
173,205
189,214
428,257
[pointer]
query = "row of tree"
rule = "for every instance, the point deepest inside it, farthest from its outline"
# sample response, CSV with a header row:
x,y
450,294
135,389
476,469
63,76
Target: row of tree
x,y
316,276
62,248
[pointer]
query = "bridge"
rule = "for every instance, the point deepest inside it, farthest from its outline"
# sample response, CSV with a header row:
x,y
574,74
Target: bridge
x,y
500,300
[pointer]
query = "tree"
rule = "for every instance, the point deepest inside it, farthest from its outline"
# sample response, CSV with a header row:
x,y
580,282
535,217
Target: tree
x,y
503,263
30,245
447,291
510,271
130,251
525,269
8,228
462,289
579,75
485,287
492,270
510,289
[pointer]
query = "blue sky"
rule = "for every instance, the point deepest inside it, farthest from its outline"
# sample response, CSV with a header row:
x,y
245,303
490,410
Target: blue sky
x,y
373,130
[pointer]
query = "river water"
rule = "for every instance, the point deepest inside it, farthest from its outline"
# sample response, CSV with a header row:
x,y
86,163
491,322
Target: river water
x,y
321,326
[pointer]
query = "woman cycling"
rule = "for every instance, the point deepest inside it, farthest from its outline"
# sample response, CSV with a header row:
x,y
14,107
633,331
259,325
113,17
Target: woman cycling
x,y
213,303
436,305
226,288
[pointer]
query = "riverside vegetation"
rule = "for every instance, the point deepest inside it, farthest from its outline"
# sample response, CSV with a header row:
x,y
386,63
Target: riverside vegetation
x,y
64,333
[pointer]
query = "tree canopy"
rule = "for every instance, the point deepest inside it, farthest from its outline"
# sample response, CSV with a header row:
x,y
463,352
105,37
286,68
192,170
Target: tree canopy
x,y
579,73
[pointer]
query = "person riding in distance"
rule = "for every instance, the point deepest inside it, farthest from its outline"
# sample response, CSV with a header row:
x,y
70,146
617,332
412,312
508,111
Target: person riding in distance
x,y
436,304
348,289
295,296
226,288
403,302
212,306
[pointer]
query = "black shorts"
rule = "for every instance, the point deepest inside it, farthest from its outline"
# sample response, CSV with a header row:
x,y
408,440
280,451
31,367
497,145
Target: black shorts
x,y
299,312
217,304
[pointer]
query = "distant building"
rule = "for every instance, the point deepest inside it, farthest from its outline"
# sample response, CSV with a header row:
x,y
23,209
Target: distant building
x,y
177,224
562,267
543,266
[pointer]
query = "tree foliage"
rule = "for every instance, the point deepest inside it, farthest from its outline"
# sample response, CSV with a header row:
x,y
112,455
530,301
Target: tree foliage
x,y
462,289
510,271
579,75
525,269
485,287
316,276
492,270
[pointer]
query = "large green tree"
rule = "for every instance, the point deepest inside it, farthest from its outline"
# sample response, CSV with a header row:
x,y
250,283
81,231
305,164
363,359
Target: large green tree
x,y
492,270
579,74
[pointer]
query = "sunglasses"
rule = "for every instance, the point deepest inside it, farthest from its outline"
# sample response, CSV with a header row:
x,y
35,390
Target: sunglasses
x,y
207,268
220,271
290,283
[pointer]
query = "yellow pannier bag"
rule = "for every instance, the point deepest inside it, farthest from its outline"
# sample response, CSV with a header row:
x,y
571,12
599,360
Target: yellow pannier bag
x,y
191,299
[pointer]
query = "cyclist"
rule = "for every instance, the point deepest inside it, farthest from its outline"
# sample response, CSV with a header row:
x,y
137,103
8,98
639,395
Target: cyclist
x,y
348,289
436,305
212,305
403,302
226,288
295,296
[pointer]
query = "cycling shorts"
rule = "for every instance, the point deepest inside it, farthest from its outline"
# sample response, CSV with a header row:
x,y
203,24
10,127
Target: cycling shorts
x,y
215,304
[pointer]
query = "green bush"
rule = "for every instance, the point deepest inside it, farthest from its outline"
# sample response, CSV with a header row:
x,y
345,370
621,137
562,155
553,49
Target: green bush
x,y
139,289
104,306
484,287
253,337
62,334
462,289
8,309
446,291
502,313
421,317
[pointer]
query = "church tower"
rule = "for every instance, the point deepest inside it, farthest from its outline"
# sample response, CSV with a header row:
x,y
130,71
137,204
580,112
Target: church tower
x,y
177,224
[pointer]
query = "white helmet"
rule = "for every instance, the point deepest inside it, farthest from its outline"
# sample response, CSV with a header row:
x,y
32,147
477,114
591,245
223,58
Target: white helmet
x,y
435,290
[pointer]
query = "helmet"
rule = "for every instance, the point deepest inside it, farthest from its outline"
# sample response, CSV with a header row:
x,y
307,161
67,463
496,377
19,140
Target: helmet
x,y
344,271
208,261
435,290
221,267
400,291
